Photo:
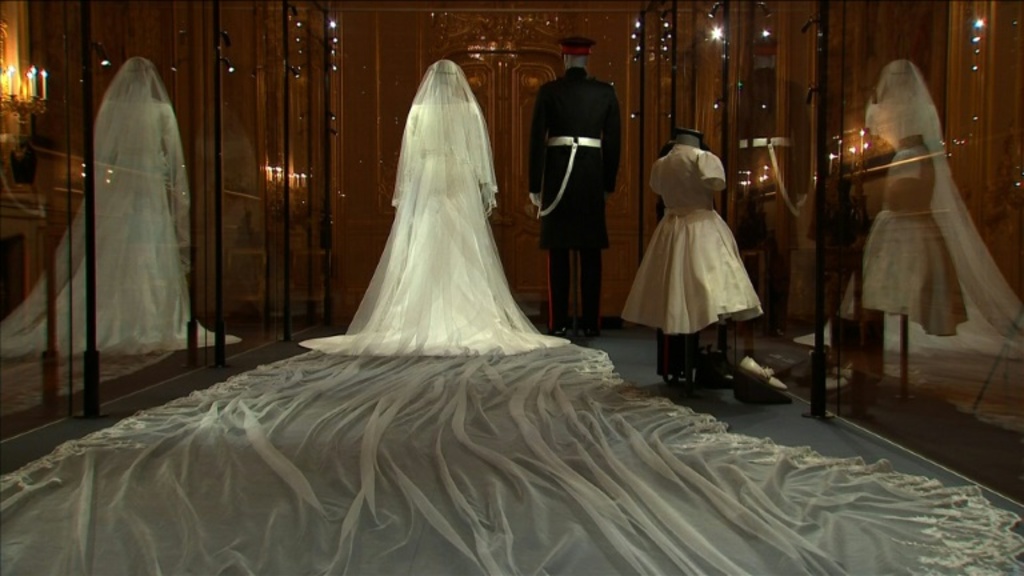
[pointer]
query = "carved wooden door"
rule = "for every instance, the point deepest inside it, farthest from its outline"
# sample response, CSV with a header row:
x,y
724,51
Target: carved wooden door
x,y
506,86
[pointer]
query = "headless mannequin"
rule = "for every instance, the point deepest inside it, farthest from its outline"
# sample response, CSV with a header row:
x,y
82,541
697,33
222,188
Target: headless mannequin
x,y
575,61
691,342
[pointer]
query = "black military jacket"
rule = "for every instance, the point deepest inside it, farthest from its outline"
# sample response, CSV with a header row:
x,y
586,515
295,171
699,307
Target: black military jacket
x,y
575,105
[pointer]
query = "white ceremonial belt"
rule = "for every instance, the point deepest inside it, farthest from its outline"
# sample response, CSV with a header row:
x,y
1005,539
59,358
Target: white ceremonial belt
x,y
764,142
578,140
574,142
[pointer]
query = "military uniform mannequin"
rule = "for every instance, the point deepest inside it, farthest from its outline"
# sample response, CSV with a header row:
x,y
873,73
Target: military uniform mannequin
x,y
574,160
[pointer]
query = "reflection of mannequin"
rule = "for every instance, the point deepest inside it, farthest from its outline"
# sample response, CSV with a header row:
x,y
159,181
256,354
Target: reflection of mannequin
x,y
23,163
959,300
439,288
691,275
142,235
907,267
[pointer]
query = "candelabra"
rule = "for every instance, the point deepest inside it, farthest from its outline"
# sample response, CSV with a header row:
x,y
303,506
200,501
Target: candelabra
x,y
298,188
21,108
21,96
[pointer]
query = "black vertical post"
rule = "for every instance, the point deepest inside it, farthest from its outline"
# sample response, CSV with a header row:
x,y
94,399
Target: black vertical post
x,y
220,341
308,191
641,33
286,194
91,384
326,229
727,108
675,28
723,328
192,328
818,354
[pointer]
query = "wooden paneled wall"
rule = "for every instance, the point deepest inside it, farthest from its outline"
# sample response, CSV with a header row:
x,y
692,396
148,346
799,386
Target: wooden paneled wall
x,y
508,49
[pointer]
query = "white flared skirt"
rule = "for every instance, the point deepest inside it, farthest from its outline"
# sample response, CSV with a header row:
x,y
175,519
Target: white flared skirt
x,y
908,270
691,276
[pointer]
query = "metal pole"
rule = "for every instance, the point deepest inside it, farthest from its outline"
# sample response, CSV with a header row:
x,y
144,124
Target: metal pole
x,y
672,111
818,355
326,229
91,384
641,184
220,340
308,191
724,152
287,216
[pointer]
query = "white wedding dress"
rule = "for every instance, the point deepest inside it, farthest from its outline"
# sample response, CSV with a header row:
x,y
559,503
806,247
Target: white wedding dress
x,y
439,288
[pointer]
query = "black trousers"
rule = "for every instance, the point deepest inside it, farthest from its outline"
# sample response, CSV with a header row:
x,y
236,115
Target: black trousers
x,y
559,286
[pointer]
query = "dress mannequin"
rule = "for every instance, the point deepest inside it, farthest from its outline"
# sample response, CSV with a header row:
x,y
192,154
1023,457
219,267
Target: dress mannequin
x,y
691,275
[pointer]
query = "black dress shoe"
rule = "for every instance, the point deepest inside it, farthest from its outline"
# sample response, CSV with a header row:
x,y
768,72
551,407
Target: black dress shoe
x,y
592,332
560,332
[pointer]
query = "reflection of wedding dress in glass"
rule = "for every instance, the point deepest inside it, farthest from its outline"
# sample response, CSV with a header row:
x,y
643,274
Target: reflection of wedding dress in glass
x,y
903,111
142,235
439,288
907,268
691,275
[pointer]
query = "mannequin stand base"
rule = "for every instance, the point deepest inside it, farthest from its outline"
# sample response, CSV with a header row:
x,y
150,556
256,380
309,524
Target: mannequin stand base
x,y
826,416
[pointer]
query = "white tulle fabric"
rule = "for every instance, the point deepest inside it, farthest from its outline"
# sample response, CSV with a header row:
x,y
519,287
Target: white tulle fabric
x,y
539,463
691,275
142,235
440,288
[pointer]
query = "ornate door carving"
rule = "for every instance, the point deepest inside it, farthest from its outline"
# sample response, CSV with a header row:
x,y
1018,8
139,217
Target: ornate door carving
x,y
506,59
506,86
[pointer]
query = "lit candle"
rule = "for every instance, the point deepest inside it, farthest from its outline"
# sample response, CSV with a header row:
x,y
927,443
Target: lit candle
x,y
10,80
44,74
31,75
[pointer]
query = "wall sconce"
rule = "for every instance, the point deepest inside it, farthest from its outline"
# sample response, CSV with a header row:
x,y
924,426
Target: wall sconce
x,y
812,20
227,61
714,9
102,53
226,38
